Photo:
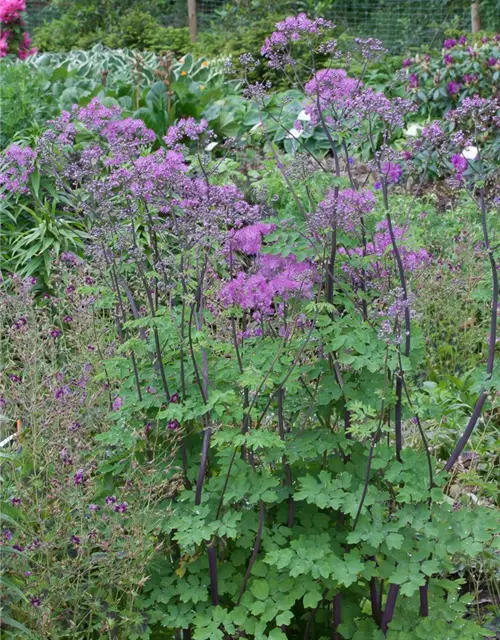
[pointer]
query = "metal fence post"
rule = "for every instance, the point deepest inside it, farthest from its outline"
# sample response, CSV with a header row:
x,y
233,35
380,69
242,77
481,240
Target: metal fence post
x,y
193,27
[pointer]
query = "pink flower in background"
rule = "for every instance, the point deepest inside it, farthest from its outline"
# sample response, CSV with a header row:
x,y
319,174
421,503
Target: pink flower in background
x,y
249,239
10,10
4,43
453,87
25,48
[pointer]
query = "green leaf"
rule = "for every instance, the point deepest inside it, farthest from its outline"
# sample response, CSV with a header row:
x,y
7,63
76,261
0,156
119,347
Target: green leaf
x,y
394,541
260,589
312,599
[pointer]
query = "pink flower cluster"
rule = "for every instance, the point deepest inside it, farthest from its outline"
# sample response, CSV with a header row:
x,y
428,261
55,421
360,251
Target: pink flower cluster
x,y
249,239
14,39
277,277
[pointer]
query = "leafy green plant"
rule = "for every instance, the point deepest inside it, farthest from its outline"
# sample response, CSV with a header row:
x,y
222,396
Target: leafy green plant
x,y
26,103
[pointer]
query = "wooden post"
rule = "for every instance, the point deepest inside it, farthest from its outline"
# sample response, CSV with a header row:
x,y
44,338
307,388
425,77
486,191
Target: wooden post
x,y
474,15
193,27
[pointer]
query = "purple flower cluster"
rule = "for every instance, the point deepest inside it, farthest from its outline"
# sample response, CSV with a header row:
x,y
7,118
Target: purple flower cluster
x,y
249,238
459,164
117,403
342,210
291,30
276,277
17,165
392,172
185,128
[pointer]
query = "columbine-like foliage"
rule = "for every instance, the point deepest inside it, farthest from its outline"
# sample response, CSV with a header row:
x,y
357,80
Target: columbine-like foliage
x,y
271,337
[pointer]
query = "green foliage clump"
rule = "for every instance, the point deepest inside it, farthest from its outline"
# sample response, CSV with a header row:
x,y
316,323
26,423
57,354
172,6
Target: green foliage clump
x,y
135,28
26,102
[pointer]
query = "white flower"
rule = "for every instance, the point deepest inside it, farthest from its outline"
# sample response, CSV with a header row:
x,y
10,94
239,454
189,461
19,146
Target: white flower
x,y
211,146
294,133
255,127
305,117
413,130
470,153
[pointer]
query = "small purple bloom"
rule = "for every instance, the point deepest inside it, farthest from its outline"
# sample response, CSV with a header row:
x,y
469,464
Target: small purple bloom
x,y
93,507
453,87
27,574
36,544
14,378
462,40
110,500
117,403
449,44
174,398
392,171
413,81
448,60
7,535
150,389
88,280
68,319
492,62
15,502
121,508
79,477
377,186
469,78
148,427
35,602
55,333
90,347
407,62
459,163
172,425
18,547
75,540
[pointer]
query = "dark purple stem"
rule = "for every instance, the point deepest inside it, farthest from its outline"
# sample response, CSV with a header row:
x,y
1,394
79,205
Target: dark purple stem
x,y
207,432
212,567
424,599
375,601
256,546
390,605
337,615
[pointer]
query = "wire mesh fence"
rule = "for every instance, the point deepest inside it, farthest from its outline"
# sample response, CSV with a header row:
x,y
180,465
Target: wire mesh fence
x,y
399,24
